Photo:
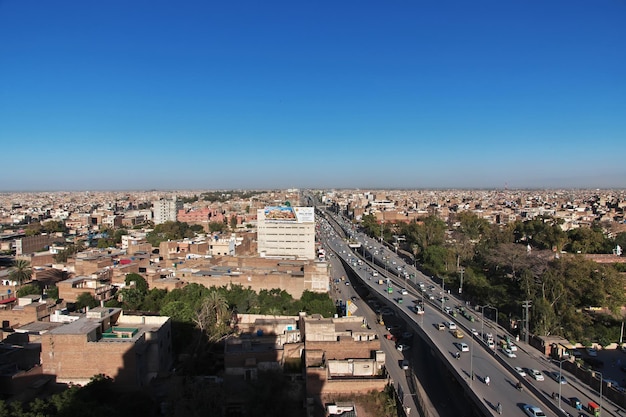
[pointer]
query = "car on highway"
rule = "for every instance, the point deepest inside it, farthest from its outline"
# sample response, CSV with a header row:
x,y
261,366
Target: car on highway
x,y
451,325
474,332
535,374
508,353
403,291
402,347
404,364
533,411
462,346
520,371
558,378
458,334
592,352
418,310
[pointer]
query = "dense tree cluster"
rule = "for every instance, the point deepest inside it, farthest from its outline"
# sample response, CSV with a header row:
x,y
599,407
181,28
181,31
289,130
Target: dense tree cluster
x,y
224,196
533,260
171,231
96,399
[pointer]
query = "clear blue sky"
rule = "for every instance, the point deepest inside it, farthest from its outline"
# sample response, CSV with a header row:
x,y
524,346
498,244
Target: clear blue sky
x,y
119,94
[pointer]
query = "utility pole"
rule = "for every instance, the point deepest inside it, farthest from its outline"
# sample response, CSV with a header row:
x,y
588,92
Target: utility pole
x,y
461,271
526,305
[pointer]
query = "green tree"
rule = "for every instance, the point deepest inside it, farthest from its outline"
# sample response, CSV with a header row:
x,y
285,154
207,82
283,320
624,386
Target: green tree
x,y
131,298
29,289
21,272
33,229
117,236
179,311
136,281
53,292
86,300
169,231
217,227
587,240
233,222
53,226
65,254
153,301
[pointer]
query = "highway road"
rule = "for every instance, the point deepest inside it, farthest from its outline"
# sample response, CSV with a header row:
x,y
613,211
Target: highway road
x,y
480,360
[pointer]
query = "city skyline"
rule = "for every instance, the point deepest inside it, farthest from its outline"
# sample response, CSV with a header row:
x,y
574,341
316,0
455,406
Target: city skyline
x,y
152,95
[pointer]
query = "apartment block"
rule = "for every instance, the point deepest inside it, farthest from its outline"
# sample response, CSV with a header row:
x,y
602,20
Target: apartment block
x,y
71,288
286,232
164,210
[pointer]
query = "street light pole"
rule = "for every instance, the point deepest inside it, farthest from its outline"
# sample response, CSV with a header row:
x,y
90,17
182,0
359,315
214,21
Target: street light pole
x,y
423,310
472,360
600,392
560,371
482,324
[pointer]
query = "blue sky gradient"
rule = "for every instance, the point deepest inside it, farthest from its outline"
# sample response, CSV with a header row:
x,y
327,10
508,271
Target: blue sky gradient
x,y
154,94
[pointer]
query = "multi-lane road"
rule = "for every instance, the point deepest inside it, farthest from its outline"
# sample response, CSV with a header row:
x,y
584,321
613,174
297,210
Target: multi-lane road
x,y
480,360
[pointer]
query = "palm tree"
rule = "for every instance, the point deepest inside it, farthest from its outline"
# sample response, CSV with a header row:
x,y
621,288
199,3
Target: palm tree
x,y
217,305
21,272
211,313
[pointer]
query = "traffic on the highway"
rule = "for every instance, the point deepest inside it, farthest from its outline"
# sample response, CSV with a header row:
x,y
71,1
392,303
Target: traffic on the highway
x,y
504,375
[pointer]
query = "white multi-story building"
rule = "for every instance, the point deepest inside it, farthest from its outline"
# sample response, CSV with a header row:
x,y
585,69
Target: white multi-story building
x,y
287,232
165,210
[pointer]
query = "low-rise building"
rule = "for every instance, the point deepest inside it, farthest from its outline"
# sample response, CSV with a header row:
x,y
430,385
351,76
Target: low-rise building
x,y
130,349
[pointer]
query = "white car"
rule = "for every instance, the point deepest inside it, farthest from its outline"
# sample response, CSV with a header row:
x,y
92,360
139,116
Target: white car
x,y
533,411
537,376
462,347
403,291
402,347
475,332
451,325
508,353
520,371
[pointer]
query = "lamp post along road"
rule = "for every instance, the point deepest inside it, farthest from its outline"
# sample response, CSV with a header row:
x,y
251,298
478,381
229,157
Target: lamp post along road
x,y
560,372
472,361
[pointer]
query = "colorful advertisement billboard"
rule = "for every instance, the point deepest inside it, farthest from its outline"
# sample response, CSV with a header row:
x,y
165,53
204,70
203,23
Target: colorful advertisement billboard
x,y
289,214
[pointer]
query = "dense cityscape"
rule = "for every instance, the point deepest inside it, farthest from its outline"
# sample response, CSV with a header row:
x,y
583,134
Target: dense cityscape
x,y
208,302
312,209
